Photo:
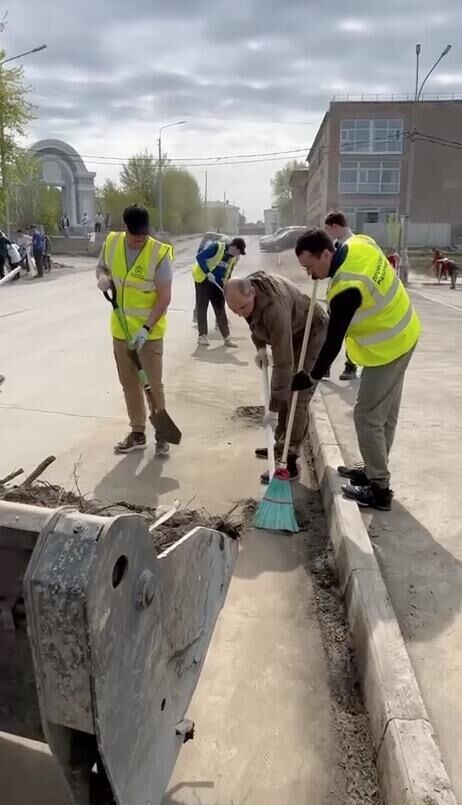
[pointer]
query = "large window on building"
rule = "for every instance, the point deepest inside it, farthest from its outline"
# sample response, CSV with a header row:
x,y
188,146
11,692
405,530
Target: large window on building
x,y
371,136
369,177
359,217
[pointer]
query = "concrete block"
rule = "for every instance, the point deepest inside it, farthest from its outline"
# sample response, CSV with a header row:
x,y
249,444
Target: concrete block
x,y
389,685
410,768
349,538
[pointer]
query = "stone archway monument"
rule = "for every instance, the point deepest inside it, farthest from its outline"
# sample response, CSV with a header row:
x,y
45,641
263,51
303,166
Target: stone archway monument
x,y
63,167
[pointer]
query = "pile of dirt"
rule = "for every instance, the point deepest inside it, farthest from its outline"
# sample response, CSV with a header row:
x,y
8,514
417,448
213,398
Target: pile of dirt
x,y
251,416
356,774
232,523
43,494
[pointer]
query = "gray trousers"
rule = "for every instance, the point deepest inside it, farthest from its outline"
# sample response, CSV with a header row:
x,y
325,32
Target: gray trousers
x,y
376,415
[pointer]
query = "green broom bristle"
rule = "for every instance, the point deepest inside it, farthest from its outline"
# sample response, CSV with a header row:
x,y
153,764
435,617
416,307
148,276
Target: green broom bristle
x,y
276,511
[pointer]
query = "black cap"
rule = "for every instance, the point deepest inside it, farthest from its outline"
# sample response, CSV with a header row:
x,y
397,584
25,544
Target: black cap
x,y
239,243
136,219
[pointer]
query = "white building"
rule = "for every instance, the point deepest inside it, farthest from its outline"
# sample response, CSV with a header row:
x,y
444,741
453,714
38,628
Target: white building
x,y
220,216
272,220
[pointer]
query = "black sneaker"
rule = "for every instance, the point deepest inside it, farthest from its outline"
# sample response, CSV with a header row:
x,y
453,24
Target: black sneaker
x,y
292,468
372,496
357,474
350,372
134,441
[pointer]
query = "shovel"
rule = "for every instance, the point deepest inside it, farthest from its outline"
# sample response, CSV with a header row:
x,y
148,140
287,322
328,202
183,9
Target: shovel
x,y
166,430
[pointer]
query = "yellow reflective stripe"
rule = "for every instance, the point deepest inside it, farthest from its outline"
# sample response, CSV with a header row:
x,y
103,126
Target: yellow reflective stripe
x,y
349,276
380,302
214,262
138,312
153,261
111,247
141,285
387,335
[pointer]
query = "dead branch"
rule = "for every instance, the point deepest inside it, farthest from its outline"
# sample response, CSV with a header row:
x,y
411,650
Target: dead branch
x,y
11,476
38,471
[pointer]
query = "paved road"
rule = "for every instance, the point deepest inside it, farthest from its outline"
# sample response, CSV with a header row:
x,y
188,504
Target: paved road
x,y
419,544
268,729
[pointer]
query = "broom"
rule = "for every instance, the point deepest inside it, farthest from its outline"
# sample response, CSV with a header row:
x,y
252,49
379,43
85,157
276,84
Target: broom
x,y
276,511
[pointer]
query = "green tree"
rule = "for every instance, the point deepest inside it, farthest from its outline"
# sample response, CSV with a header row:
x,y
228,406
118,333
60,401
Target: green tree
x,y
139,177
182,201
282,190
32,201
15,114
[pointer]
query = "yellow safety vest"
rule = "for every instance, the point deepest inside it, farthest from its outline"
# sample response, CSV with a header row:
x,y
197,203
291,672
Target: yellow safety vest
x,y
213,263
386,325
136,293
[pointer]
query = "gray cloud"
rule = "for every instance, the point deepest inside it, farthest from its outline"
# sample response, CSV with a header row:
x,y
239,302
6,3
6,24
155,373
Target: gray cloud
x,y
113,68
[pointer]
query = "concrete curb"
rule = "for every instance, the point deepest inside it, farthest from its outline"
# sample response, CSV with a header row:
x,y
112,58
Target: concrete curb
x,y
409,762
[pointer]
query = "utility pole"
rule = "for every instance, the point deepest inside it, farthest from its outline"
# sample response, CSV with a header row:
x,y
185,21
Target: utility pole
x,y
161,200
160,190
405,220
205,199
417,53
3,159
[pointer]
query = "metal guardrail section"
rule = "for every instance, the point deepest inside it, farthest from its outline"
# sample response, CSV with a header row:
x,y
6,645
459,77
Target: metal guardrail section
x,y
379,98
117,636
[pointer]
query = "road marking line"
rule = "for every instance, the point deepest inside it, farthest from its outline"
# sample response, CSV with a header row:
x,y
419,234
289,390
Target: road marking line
x,y
439,301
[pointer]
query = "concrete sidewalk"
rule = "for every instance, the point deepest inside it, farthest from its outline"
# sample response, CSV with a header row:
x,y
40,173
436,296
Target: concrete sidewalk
x,y
418,544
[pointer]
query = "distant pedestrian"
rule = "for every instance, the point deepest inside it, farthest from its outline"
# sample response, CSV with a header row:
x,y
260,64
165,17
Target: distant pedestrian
x,y
65,225
37,249
98,222
85,224
439,265
4,243
24,242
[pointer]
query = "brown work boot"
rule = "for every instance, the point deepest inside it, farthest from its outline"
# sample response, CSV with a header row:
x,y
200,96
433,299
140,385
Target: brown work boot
x,y
134,441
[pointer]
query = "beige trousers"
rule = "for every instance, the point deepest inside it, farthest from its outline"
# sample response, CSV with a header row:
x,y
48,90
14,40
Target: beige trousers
x,y
151,361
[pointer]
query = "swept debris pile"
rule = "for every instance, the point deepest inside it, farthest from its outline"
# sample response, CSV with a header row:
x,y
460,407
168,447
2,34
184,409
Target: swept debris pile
x,y
35,492
250,416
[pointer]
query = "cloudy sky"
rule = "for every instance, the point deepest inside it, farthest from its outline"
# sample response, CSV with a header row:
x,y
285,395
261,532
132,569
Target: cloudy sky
x,y
253,77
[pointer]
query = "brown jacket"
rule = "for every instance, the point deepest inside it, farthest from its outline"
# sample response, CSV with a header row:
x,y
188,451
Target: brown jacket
x,y
278,319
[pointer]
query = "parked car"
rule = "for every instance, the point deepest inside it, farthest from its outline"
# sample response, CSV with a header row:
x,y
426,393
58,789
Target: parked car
x,y
267,238
210,237
283,239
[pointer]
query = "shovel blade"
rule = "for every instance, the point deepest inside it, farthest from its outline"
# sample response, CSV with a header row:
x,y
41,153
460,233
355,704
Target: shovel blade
x,y
165,427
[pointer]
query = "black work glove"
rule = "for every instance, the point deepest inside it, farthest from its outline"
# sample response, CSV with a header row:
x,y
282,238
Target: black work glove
x,y
302,381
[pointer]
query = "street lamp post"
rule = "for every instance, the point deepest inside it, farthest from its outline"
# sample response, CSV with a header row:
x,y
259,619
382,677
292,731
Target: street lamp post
x,y
3,165
160,193
405,220
417,65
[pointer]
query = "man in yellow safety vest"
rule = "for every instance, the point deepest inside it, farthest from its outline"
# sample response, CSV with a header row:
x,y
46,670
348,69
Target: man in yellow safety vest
x,y
336,226
140,267
212,269
370,306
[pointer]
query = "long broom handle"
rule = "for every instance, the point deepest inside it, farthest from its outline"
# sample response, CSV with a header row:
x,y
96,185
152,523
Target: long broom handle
x,y
301,362
268,429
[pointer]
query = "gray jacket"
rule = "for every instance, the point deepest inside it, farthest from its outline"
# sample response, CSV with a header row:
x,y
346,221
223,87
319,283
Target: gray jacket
x,y
278,320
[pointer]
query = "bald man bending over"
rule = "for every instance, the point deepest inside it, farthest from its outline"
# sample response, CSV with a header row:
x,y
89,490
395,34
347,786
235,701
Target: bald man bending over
x,y
276,311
